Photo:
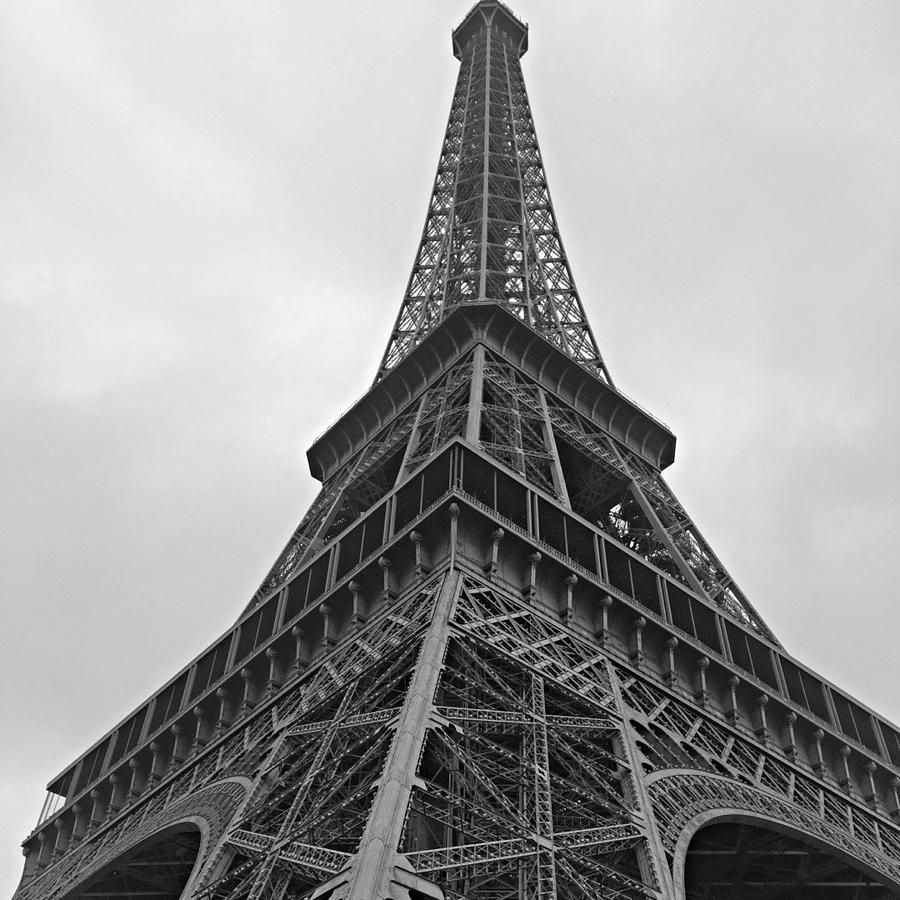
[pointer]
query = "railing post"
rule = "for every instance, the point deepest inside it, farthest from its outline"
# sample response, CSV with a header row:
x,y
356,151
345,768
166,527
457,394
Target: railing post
x,y
670,675
534,559
702,695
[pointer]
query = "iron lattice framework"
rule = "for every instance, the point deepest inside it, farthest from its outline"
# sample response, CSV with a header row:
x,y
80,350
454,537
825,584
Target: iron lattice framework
x,y
496,659
490,232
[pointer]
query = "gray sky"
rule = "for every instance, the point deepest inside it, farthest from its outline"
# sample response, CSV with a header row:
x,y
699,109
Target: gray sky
x,y
208,212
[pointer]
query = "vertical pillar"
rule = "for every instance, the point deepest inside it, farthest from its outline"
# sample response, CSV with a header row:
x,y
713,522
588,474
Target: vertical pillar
x,y
412,441
77,824
485,178
222,718
156,769
818,763
844,780
493,565
417,540
385,564
733,714
541,881
59,839
327,636
42,855
530,591
567,614
247,698
790,750
637,651
476,394
177,757
134,785
871,795
374,872
762,731
559,481
300,661
670,675
603,634
702,693
200,716
272,684
357,615
895,793
97,811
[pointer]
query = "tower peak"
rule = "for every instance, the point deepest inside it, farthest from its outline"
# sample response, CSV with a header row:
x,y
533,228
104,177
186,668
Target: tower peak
x,y
494,13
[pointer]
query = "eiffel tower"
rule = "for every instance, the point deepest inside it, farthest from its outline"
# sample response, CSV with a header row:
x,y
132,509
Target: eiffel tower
x,y
497,658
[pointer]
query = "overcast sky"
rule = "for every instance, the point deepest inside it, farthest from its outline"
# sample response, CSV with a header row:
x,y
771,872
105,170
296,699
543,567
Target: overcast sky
x,y
208,212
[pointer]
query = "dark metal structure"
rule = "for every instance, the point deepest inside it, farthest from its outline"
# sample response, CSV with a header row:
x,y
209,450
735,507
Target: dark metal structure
x,y
497,659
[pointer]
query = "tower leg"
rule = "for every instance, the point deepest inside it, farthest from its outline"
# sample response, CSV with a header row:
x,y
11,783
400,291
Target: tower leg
x,y
378,869
653,864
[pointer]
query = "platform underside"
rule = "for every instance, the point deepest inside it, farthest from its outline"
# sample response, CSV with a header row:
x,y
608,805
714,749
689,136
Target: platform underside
x,y
737,861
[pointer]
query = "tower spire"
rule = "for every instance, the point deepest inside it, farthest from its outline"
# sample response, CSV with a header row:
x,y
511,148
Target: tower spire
x,y
490,233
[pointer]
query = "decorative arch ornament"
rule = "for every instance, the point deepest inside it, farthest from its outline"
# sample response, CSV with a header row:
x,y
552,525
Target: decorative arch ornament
x,y
210,809
162,865
686,801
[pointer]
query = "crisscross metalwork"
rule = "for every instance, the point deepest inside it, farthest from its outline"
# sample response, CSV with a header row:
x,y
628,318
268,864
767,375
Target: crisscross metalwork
x,y
490,232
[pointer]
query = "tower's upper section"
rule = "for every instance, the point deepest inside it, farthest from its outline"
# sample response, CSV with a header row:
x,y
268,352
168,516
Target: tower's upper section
x,y
490,13
490,234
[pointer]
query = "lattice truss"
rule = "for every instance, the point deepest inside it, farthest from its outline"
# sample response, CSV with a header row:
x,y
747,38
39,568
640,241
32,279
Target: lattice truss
x,y
323,775
606,483
490,232
525,788
359,484
514,424
522,785
560,451
343,700
713,768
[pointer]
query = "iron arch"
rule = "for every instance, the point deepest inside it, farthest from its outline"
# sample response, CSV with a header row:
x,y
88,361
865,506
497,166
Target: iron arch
x,y
735,855
157,868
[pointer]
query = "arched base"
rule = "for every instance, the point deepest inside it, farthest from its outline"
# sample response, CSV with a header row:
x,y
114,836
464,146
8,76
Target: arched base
x,y
739,860
157,869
